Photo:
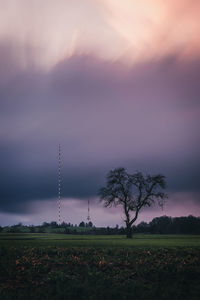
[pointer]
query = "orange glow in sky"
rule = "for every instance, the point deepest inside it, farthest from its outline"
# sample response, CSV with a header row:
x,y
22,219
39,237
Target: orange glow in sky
x,y
129,30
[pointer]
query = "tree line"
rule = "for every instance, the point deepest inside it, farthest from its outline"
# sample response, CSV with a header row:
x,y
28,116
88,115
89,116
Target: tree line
x,y
169,225
159,225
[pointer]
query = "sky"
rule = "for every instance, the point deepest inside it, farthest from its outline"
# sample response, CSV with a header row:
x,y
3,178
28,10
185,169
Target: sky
x,y
116,83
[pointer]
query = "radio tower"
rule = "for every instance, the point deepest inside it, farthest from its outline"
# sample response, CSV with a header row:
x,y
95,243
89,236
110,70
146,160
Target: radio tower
x,y
59,184
88,216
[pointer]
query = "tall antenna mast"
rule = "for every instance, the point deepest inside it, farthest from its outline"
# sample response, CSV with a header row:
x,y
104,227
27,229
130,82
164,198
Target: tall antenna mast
x,y
88,216
59,184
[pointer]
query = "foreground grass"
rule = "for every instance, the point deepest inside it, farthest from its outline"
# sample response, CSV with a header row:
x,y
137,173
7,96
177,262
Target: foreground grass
x,y
148,240
37,266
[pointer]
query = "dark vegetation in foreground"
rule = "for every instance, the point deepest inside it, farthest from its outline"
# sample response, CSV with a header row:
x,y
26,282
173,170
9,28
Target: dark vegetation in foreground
x,y
99,273
159,225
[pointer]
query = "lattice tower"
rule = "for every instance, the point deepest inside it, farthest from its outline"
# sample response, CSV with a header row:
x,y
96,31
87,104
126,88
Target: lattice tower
x,y
59,184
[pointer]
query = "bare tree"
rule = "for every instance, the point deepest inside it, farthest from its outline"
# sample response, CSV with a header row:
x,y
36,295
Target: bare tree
x,y
132,192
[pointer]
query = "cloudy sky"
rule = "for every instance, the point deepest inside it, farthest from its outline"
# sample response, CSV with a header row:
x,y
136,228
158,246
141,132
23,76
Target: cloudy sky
x,y
116,83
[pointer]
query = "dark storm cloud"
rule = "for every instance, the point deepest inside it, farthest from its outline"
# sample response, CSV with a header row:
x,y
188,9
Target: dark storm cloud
x,y
145,117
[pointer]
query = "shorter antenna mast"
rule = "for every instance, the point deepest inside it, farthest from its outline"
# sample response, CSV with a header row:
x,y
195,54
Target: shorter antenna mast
x,y
88,216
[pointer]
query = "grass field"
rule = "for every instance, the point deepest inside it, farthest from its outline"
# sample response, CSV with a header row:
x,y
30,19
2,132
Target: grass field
x,y
58,266
64,240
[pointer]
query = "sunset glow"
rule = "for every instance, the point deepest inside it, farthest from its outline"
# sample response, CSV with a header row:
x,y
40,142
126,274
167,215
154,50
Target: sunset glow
x,y
129,31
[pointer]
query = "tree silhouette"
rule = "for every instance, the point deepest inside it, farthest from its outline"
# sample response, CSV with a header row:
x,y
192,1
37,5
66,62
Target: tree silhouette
x,y
132,192
82,224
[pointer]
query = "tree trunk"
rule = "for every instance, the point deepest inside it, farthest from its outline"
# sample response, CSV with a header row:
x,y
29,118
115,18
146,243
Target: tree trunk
x,y
128,231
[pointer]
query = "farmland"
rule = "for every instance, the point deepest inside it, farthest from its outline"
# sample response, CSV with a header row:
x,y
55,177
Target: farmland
x,y
59,266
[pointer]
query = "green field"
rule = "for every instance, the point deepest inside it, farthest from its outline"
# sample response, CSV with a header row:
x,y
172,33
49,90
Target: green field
x,y
59,266
64,240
